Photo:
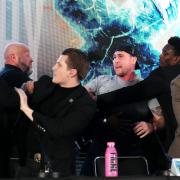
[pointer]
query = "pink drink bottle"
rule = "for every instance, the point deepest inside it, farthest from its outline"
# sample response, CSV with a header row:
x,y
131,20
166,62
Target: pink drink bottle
x,y
111,160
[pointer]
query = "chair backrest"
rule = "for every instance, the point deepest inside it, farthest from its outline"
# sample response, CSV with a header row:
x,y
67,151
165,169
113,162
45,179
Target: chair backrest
x,y
127,165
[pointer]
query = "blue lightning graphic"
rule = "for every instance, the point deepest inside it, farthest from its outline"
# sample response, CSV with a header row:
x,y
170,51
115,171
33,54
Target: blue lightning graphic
x,y
104,25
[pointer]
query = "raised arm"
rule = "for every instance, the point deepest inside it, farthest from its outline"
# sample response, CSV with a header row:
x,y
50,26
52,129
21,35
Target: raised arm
x,y
76,118
147,89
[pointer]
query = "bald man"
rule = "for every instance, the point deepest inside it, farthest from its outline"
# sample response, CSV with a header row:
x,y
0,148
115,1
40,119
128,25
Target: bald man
x,y
18,64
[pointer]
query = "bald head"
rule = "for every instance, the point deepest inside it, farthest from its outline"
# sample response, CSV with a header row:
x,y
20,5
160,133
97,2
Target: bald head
x,y
14,48
18,54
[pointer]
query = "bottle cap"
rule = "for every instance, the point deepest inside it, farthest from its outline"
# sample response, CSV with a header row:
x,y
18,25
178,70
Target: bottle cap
x,y
110,144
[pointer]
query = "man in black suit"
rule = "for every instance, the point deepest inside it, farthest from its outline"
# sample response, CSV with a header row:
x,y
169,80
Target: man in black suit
x,y
62,108
156,85
18,63
8,100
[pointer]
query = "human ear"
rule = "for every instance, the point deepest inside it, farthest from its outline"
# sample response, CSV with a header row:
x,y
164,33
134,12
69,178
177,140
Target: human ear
x,y
176,60
134,60
73,72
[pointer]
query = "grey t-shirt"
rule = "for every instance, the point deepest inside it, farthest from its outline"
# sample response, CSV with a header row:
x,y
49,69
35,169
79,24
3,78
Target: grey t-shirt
x,y
106,83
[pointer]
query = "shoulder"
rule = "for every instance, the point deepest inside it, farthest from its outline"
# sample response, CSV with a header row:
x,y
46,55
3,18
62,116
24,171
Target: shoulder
x,y
176,81
44,84
98,82
175,87
7,71
15,77
166,71
44,81
106,78
102,78
82,93
42,88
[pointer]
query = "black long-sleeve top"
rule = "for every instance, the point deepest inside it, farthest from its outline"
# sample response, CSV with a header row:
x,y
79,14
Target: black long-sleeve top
x,y
156,85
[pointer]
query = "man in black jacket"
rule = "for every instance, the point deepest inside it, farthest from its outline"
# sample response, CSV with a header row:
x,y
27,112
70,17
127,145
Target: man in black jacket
x,y
156,85
8,100
62,108
18,63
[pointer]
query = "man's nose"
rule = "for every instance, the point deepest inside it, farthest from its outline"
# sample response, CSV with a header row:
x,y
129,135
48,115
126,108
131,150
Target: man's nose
x,y
116,60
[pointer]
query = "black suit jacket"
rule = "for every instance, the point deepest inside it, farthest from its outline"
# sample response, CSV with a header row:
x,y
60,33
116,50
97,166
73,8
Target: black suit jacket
x,y
157,84
9,99
15,77
59,127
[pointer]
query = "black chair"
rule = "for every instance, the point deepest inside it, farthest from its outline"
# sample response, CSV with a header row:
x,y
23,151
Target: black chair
x,y
127,165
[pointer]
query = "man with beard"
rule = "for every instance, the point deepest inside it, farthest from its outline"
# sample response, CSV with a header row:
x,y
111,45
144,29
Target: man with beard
x,y
128,128
156,85
18,63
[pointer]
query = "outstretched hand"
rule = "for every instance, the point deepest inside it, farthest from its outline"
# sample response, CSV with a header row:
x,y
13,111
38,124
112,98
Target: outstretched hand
x,y
24,104
23,98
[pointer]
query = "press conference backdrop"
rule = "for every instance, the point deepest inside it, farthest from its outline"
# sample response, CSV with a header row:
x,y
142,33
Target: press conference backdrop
x,y
98,27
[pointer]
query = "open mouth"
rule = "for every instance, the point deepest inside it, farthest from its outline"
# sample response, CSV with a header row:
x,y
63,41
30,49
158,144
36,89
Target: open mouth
x,y
118,67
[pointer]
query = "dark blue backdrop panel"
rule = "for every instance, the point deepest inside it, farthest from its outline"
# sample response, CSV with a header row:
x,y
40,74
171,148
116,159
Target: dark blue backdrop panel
x,y
105,24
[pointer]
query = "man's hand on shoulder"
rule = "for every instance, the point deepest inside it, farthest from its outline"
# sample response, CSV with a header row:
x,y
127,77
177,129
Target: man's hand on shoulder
x,y
28,87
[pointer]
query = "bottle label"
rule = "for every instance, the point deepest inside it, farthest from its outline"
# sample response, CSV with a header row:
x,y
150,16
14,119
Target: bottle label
x,y
113,162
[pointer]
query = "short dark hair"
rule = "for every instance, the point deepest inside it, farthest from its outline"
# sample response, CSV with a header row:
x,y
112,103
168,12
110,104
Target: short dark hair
x,y
175,42
78,60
